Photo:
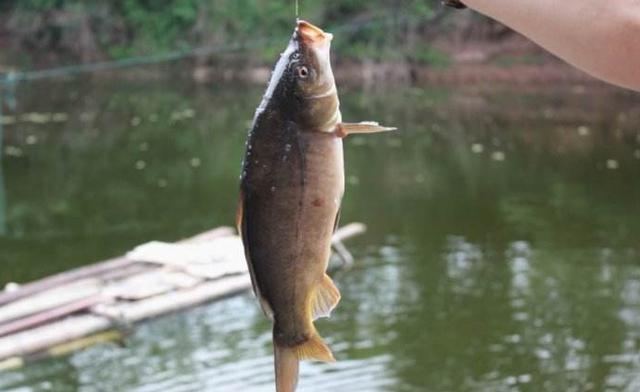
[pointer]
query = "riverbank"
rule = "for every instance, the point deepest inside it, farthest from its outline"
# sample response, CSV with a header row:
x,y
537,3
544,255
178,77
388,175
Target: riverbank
x,y
465,50
389,73
355,73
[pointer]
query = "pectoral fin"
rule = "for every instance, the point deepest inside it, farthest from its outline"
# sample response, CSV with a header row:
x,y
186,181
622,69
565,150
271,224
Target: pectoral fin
x,y
344,129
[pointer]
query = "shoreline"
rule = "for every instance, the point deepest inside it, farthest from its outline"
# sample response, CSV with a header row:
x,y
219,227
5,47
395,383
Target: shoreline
x,y
368,74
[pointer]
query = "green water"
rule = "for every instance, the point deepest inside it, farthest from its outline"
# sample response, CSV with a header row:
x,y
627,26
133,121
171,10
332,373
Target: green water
x,y
502,254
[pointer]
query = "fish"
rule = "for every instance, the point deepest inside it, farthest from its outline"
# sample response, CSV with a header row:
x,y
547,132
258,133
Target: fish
x,y
291,189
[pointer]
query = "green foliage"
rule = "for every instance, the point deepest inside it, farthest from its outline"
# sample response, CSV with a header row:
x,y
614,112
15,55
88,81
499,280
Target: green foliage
x,y
421,54
433,57
379,30
156,26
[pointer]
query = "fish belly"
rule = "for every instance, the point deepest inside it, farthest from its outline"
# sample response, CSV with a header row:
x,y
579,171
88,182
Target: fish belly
x,y
291,206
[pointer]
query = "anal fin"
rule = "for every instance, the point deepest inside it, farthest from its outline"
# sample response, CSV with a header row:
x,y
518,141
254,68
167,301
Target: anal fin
x,y
325,297
345,129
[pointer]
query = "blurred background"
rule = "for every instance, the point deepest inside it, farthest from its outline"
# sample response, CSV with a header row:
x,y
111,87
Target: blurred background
x,y
394,40
502,249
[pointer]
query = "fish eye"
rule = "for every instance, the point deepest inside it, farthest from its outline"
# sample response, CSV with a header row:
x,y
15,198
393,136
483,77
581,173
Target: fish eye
x,y
302,72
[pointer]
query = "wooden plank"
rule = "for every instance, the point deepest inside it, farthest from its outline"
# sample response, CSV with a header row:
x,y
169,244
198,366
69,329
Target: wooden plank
x,y
49,299
177,300
76,327
93,270
63,278
212,259
41,338
185,291
131,270
151,284
49,315
222,231
348,231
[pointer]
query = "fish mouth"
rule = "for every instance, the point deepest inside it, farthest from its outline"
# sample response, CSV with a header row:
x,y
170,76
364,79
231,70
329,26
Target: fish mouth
x,y
311,34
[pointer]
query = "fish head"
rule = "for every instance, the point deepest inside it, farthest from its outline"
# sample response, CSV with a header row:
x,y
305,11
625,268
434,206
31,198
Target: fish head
x,y
302,85
311,67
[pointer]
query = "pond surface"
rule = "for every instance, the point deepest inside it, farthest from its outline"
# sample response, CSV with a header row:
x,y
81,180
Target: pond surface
x,y
502,254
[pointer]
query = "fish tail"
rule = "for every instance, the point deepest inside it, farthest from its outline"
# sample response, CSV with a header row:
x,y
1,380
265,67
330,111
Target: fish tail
x,y
286,364
287,360
314,348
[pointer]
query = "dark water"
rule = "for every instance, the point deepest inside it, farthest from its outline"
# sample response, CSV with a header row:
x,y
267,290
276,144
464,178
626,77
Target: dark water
x,y
503,248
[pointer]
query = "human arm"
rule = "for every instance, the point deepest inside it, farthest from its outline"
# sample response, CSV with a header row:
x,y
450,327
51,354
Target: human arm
x,y
597,36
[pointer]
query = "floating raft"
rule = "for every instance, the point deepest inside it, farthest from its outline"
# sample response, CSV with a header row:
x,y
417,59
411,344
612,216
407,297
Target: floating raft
x,y
96,303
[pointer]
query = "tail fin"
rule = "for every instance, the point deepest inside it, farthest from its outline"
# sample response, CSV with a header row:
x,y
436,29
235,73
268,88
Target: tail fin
x,y
314,348
287,358
286,363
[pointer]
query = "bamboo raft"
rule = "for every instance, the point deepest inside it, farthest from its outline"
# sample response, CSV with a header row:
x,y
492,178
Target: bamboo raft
x,y
76,309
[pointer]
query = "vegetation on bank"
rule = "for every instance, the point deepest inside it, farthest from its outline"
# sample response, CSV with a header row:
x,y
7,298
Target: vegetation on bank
x,y
54,32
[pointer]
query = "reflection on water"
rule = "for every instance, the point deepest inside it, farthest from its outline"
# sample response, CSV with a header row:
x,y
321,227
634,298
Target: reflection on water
x,y
502,253
3,198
